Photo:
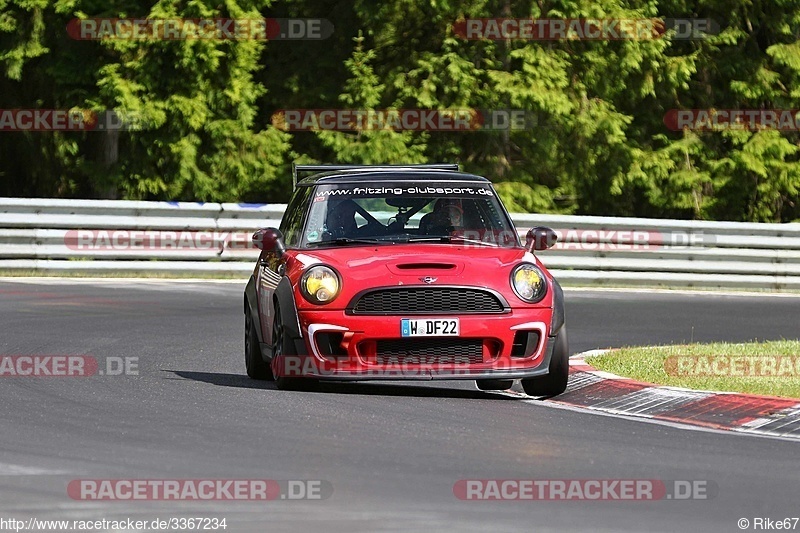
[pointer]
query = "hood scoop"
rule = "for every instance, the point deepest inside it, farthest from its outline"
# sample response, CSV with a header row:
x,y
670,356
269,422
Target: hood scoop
x,y
422,267
425,266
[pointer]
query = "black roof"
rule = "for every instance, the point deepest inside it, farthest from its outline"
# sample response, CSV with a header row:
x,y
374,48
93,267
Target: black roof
x,y
389,174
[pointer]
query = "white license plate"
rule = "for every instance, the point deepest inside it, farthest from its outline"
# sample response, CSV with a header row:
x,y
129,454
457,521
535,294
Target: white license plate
x,y
429,327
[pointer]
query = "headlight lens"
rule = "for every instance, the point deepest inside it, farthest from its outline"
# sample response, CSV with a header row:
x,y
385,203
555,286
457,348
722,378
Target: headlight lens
x,y
529,283
320,284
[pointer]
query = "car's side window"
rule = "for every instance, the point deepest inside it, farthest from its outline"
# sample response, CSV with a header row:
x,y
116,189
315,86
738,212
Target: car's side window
x,y
292,223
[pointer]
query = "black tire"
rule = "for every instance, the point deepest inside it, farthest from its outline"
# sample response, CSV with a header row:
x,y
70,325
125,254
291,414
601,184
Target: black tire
x,y
257,368
282,346
555,382
494,384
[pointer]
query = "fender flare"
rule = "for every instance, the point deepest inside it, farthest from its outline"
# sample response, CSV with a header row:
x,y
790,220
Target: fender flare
x,y
559,315
284,294
251,301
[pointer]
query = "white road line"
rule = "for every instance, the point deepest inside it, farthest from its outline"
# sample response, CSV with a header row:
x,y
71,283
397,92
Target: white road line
x,y
7,469
578,360
640,418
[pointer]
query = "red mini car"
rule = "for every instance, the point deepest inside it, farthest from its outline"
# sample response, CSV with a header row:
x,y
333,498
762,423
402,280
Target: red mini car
x,y
403,273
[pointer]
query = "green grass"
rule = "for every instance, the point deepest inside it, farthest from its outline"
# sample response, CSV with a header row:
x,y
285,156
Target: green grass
x,y
746,368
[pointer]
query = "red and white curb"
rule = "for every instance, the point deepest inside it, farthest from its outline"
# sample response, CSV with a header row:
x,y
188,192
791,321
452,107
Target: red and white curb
x,y
596,390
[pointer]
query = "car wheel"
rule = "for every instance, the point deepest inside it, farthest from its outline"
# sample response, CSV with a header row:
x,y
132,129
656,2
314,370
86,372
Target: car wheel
x,y
555,382
494,384
281,348
254,362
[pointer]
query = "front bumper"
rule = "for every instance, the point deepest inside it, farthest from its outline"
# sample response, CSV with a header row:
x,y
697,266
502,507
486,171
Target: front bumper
x,y
356,354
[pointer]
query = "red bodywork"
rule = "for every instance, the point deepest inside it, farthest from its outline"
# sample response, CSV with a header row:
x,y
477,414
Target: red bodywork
x,y
357,336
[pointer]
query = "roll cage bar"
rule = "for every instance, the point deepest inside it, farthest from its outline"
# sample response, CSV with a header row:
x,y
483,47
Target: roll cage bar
x,y
298,169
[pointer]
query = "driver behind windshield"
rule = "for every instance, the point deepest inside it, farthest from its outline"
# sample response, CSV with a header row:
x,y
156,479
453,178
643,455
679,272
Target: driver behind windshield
x,y
447,215
341,219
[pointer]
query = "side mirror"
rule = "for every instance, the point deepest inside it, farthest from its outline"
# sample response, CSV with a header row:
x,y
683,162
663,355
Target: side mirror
x,y
540,238
269,240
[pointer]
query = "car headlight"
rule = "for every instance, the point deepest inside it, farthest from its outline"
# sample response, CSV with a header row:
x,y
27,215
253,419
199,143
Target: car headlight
x,y
320,284
529,283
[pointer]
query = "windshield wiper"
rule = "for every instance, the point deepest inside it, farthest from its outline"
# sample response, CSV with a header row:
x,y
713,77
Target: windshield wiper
x,y
471,241
347,240
449,239
437,238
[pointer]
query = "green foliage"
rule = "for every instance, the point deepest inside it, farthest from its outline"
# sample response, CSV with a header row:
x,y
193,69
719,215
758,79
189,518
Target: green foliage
x,y
522,198
22,27
369,147
193,101
598,145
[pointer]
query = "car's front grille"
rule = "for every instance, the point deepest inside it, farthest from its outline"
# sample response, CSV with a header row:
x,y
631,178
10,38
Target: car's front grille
x,y
428,300
429,351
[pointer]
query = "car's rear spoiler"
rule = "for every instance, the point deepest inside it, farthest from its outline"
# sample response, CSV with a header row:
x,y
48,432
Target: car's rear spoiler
x,y
297,169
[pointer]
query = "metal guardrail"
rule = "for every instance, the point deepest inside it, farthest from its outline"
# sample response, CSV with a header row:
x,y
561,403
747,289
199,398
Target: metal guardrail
x,y
86,236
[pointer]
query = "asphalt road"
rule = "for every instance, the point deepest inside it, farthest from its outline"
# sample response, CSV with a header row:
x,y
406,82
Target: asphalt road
x,y
391,452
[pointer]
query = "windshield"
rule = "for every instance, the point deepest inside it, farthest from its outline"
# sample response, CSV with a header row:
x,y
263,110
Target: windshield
x,y
347,214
